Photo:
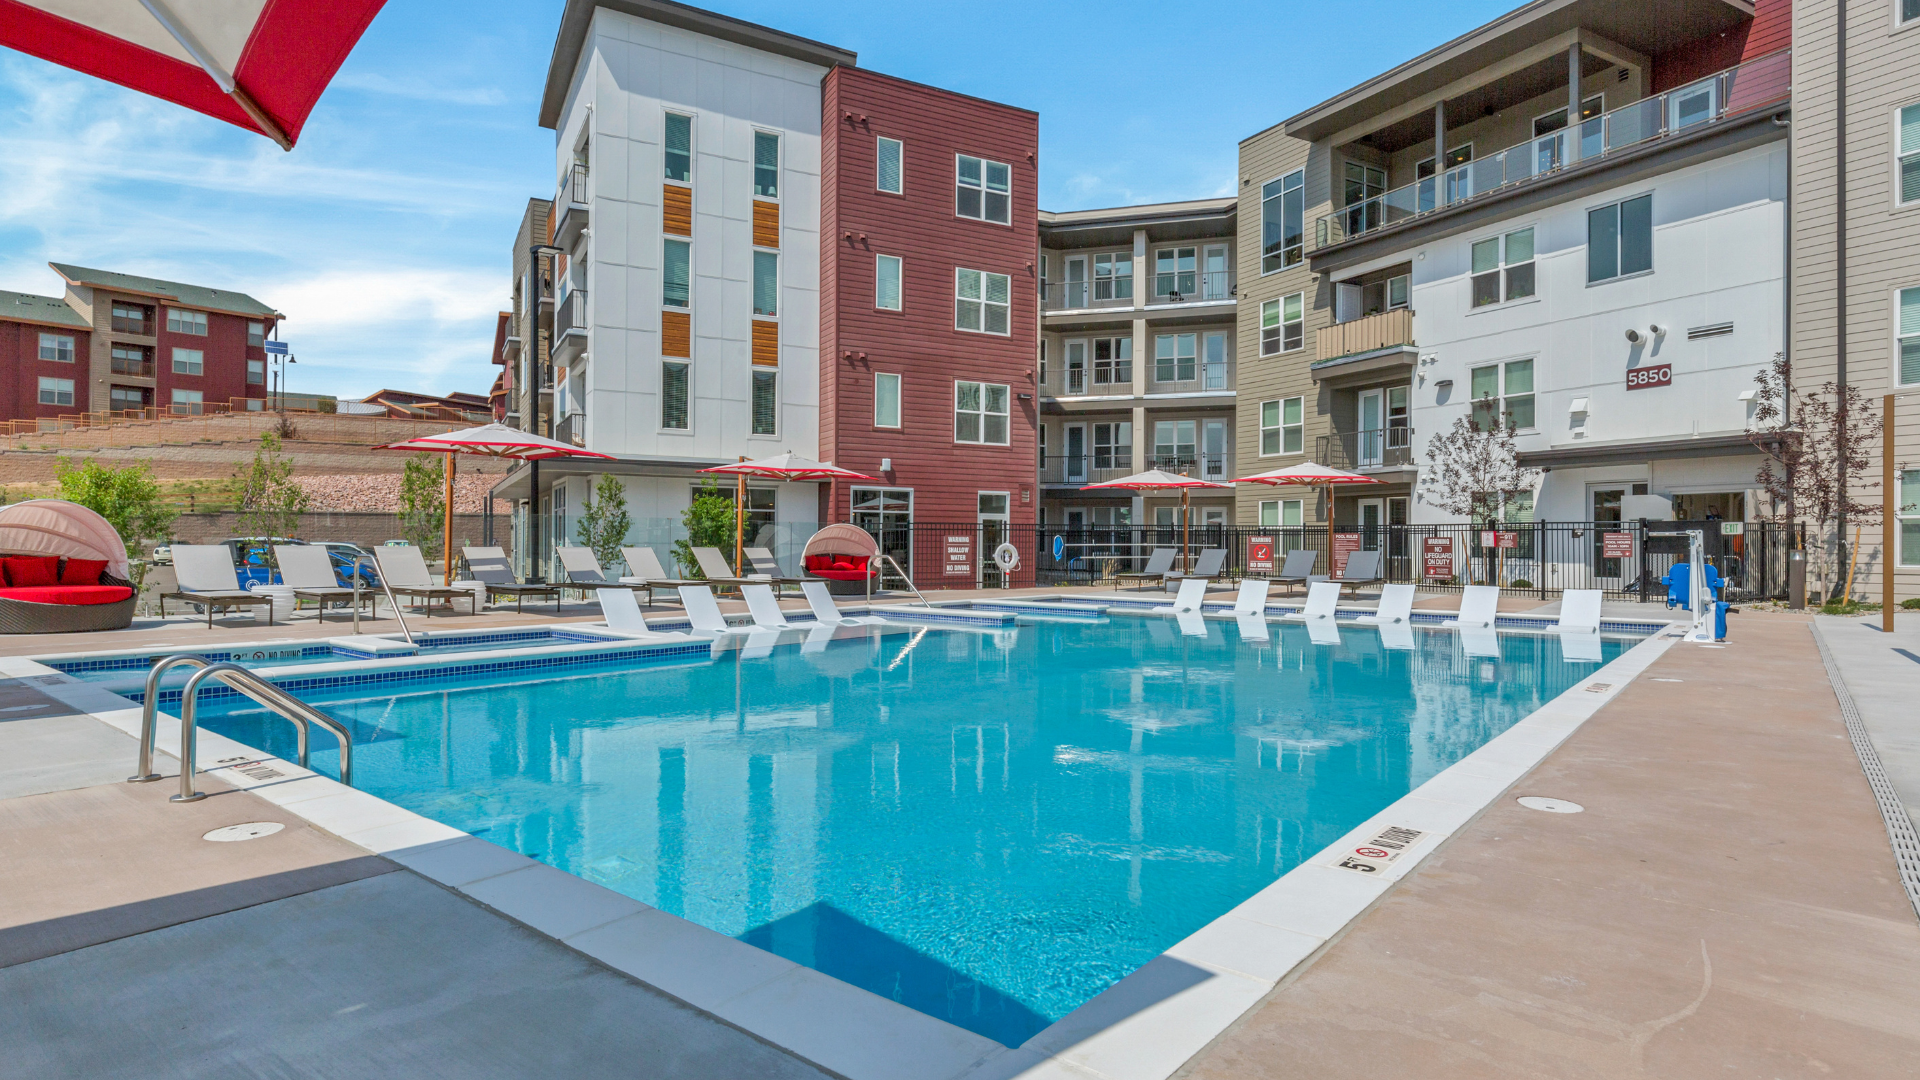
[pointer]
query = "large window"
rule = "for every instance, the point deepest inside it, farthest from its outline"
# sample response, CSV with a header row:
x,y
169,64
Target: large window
x,y
1503,268
256,373
126,399
1909,516
56,391
56,347
1113,360
766,283
676,273
886,400
1176,273
766,165
1909,148
983,189
1909,10
1503,390
1909,328
1173,357
1113,276
980,301
678,156
886,282
188,403
1173,445
1283,324
980,413
1281,514
256,334
1620,239
1283,222
186,322
766,401
1283,426
1113,445
132,318
673,394
889,172
189,362
131,359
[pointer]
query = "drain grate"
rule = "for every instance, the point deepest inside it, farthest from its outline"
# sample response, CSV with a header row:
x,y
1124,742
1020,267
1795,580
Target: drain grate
x,y
1900,832
248,830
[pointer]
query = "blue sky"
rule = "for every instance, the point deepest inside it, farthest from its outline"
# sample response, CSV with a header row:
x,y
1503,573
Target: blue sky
x,y
384,236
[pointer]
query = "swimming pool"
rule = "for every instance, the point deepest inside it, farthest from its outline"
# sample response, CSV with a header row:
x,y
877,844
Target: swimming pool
x,y
987,827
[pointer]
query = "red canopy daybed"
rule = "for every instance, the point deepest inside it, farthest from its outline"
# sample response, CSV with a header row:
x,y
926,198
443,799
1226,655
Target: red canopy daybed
x,y
63,569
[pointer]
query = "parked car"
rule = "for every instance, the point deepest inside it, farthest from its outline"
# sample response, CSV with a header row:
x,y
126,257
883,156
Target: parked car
x,y
342,547
398,543
163,555
253,566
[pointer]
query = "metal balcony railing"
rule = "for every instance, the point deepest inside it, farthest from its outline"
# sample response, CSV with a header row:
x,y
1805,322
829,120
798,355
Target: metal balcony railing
x,y
1188,287
1374,448
573,186
1759,83
572,429
1204,466
138,368
571,315
1087,468
1081,295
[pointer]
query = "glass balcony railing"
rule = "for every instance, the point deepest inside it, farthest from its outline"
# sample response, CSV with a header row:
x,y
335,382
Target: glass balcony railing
x,y
1759,83
1177,288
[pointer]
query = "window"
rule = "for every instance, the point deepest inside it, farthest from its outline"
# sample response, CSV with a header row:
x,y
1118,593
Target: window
x,y
766,401
679,148
256,373
132,318
256,334
766,283
673,395
1281,514
1113,445
1376,297
1283,326
1548,123
1043,361
887,169
1040,433
1113,276
676,273
1214,362
1513,400
1176,273
1173,357
1908,511
1173,445
1506,258
980,413
1213,464
766,165
1076,367
1113,360
56,391
1283,222
1909,10
126,399
1909,336
1283,426
983,190
187,403
980,301
886,282
56,347
189,362
186,322
131,359
1909,147
1620,239
886,400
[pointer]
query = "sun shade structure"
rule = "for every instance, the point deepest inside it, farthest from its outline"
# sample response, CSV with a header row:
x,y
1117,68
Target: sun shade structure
x,y
789,467
1162,480
58,527
488,440
1317,476
257,64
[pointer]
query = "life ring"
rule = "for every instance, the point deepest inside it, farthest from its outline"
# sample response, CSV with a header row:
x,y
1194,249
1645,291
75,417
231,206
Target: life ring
x,y
1007,557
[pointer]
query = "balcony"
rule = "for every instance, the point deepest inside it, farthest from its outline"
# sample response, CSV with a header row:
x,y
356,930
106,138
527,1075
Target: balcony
x,y
1757,84
571,206
571,430
1086,295
139,369
570,325
1204,466
1384,330
1084,468
1104,293
1367,451
1192,287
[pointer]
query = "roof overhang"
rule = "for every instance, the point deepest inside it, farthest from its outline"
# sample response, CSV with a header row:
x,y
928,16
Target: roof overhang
x,y
1198,220
1363,367
1729,444
518,481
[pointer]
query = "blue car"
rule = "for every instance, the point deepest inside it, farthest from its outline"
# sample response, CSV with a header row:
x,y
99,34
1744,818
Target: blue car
x,y
250,562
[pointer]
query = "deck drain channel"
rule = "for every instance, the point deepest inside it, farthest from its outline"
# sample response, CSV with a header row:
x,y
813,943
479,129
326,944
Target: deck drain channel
x,y
249,830
1900,831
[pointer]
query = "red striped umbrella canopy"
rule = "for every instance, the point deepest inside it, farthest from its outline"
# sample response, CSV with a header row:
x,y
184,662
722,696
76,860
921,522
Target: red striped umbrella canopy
x,y
258,64
1156,479
790,466
493,440
1318,476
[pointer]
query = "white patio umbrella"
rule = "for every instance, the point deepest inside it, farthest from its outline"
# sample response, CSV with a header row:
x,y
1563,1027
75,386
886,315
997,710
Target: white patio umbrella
x,y
1162,480
1319,476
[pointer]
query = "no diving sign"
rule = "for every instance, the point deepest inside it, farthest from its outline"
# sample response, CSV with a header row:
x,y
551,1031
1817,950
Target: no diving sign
x,y
1380,852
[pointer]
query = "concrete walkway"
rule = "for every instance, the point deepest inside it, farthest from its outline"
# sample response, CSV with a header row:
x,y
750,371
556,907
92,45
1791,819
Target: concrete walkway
x,y
1883,675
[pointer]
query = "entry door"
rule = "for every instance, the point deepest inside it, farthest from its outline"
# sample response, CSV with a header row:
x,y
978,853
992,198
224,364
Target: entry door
x,y
1606,510
1371,450
1077,281
993,533
1213,284
1076,453
1372,513
1214,464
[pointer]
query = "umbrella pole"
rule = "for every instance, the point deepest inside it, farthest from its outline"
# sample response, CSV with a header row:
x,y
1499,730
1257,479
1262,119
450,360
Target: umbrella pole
x,y
447,520
1330,567
1186,534
739,516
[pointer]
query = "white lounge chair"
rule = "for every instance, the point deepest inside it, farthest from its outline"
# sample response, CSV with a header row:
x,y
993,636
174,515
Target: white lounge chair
x,y
704,612
206,576
622,612
645,572
764,608
1396,606
308,570
827,612
714,565
1252,598
1192,592
1323,597
1479,607
405,572
1579,612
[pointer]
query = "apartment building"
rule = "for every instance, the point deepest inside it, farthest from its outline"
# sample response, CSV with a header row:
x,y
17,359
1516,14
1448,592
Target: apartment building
x,y
1856,242
130,343
1137,360
1441,242
522,350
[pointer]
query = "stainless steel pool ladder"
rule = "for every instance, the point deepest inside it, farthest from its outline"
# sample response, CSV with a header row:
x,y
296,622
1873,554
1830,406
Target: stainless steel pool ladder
x,y
244,682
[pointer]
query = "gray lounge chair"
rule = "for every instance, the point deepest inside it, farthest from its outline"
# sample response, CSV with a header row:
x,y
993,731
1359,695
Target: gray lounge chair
x,y
1207,567
1158,563
404,570
714,566
490,566
1298,567
645,572
308,568
767,568
206,576
584,573
1363,568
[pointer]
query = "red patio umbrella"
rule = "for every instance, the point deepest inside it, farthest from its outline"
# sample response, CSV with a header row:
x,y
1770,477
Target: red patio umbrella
x,y
1317,476
1160,479
258,64
496,441
788,466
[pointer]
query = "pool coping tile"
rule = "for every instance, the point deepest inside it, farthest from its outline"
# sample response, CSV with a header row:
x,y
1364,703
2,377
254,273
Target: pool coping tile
x,y
552,901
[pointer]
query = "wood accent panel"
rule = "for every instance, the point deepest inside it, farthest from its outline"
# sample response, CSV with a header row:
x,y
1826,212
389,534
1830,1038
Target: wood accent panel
x,y
676,210
766,224
676,333
1377,331
766,343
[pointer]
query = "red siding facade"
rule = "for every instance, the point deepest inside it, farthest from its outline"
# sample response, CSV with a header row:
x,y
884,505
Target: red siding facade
x,y
919,342
1770,30
20,355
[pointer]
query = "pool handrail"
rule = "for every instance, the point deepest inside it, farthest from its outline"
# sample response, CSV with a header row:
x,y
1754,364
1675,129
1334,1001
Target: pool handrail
x,y
244,682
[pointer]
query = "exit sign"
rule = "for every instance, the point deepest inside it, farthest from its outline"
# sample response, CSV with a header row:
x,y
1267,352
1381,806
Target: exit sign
x,y
1642,378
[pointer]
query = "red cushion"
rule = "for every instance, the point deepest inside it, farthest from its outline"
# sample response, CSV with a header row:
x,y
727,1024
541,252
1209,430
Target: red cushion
x,y
68,594
82,571
842,564
28,571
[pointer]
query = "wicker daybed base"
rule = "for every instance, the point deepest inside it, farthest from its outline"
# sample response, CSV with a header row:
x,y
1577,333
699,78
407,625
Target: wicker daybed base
x,y
28,617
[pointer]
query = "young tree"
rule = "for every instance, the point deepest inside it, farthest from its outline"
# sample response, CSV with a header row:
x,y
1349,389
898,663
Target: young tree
x,y
1474,473
604,520
423,503
709,522
271,504
1817,455
129,498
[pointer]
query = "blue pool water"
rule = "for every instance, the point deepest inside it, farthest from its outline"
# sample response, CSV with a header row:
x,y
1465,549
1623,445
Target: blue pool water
x,y
990,827
127,669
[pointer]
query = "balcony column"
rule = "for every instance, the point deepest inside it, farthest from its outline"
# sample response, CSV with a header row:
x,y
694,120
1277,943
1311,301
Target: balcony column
x,y
1439,139
1573,103
1142,356
1142,281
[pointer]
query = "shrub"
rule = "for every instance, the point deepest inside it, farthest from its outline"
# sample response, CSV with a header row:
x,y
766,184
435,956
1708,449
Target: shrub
x,y
1519,583
709,522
